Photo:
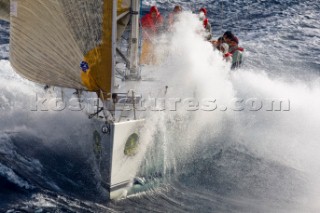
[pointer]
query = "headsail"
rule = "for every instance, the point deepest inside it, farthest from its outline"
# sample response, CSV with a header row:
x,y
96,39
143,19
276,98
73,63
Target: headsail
x,y
72,43
67,43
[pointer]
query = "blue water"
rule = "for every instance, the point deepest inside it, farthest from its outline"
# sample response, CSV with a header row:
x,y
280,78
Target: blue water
x,y
254,163
4,40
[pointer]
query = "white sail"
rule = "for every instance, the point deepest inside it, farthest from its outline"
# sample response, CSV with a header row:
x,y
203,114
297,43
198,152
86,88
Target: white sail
x,y
67,43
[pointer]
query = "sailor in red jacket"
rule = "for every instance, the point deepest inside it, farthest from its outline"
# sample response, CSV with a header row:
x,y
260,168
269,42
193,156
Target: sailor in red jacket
x,y
206,23
173,15
153,21
152,24
234,49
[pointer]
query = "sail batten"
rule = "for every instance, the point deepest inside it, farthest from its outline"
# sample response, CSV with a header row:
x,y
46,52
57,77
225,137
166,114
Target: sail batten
x,y
66,43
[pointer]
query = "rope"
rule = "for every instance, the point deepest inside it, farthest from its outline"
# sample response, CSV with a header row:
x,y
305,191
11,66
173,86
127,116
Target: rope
x,y
140,28
222,16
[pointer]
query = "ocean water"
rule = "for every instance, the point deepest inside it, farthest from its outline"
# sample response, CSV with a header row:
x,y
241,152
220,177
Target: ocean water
x,y
257,159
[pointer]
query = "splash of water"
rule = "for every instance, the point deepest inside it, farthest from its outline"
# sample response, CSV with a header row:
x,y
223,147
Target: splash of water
x,y
288,136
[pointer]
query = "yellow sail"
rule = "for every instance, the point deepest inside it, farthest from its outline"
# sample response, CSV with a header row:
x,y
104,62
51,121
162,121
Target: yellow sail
x,y
66,43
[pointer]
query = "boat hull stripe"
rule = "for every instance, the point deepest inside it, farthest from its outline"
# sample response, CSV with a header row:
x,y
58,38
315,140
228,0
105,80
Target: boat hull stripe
x,y
118,186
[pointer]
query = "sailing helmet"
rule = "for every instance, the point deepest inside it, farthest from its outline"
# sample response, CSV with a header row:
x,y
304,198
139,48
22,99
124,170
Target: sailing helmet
x,y
154,9
177,9
204,10
235,39
228,35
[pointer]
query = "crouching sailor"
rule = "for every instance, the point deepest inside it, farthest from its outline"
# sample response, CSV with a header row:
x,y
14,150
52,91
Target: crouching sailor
x,y
206,23
237,53
173,16
234,49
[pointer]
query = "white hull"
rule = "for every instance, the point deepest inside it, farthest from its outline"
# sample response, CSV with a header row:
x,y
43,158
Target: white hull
x,y
120,152
126,155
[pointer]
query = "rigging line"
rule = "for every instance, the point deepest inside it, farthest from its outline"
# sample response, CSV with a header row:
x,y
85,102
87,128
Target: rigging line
x,y
222,16
140,28
237,25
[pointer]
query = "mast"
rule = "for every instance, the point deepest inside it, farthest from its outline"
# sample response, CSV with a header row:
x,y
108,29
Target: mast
x,y
114,42
134,40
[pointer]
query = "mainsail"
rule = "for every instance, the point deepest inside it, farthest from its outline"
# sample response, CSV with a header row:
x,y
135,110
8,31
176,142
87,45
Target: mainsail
x,y
67,43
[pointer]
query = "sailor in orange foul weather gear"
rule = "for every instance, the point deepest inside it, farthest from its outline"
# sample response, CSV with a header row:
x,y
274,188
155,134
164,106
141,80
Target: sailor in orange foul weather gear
x,y
173,15
152,24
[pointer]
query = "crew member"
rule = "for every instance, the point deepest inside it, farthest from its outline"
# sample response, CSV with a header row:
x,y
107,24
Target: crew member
x,y
234,49
206,24
152,24
216,43
173,15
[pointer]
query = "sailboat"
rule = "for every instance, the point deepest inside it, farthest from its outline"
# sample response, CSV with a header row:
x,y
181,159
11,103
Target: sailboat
x,y
74,44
